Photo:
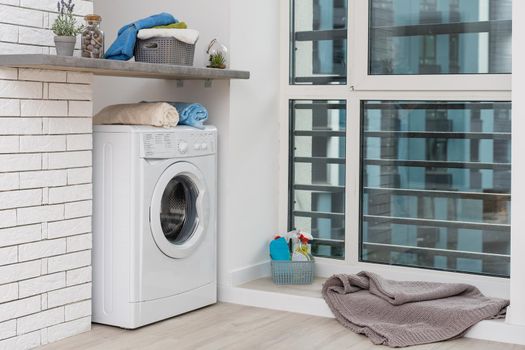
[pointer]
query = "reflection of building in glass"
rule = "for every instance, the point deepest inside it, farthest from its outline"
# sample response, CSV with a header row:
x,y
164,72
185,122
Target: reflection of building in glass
x,y
318,163
436,185
318,174
383,16
440,37
428,14
319,44
500,42
329,56
453,55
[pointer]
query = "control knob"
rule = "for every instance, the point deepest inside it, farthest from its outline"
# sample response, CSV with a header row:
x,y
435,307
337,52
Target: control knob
x,y
183,147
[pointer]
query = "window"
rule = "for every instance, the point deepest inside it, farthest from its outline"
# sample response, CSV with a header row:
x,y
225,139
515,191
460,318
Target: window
x,y
436,185
399,133
440,36
319,42
317,173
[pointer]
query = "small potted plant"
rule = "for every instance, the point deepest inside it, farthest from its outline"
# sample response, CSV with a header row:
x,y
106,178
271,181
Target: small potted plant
x,y
217,55
217,60
65,28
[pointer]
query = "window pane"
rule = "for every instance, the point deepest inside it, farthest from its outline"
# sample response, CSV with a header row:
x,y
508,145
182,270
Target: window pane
x,y
317,173
436,185
318,42
440,36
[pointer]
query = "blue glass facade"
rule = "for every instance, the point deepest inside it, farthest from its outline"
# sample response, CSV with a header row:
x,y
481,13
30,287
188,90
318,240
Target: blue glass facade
x,y
440,36
317,173
436,185
319,46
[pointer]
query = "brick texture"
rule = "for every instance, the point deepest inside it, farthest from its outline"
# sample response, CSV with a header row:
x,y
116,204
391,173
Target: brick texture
x,y
45,185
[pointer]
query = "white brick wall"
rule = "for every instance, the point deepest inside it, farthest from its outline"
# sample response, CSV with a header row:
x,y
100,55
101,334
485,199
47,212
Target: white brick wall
x,y
45,186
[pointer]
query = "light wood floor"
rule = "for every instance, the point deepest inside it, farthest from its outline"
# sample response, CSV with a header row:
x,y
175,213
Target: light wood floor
x,y
227,326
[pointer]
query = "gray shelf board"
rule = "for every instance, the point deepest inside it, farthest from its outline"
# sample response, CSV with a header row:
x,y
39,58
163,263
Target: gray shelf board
x,y
119,68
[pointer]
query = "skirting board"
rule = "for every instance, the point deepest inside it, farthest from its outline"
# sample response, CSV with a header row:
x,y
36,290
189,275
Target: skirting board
x,y
491,330
250,273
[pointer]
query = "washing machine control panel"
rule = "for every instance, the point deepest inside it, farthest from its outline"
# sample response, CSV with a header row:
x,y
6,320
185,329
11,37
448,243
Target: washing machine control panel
x,y
179,144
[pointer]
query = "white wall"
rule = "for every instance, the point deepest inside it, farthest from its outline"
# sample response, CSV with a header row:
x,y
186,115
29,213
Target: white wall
x,y
251,192
246,112
516,312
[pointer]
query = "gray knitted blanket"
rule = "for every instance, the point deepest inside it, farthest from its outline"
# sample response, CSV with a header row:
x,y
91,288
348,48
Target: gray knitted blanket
x,y
400,313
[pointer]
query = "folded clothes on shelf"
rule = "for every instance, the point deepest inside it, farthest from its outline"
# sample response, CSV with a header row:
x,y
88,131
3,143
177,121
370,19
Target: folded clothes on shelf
x,y
156,114
178,25
188,36
123,47
191,114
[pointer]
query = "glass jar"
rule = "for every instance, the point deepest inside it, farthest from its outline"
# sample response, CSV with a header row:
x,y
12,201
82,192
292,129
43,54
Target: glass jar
x,y
92,38
217,55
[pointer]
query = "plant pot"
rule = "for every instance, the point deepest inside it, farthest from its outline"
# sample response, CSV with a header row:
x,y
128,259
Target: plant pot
x,y
65,45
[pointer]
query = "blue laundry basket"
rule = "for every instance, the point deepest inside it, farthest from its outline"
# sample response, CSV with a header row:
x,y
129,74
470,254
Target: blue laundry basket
x,y
293,272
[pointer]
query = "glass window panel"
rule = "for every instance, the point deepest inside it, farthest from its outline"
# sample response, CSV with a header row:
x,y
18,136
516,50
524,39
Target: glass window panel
x,y
318,42
440,36
317,173
436,185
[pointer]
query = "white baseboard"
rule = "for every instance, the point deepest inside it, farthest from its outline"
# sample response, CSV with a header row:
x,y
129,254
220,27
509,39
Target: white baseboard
x,y
250,273
275,301
499,331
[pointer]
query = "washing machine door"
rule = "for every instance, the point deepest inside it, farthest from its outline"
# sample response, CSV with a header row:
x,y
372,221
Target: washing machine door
x,y
179,210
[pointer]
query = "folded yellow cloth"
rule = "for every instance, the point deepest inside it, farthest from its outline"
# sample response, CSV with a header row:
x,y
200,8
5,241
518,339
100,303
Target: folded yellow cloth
x,y
156,114
178,25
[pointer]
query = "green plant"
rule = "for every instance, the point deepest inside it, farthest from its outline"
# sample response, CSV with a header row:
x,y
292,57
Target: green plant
x,y
217,60
65,24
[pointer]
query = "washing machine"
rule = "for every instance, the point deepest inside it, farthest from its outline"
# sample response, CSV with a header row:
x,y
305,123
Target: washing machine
x,y
154,223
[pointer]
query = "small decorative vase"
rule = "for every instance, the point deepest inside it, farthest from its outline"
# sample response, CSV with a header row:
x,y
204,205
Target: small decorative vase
x,y
217,55
65,45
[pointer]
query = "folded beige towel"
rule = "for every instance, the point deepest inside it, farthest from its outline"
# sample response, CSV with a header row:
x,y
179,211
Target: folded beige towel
x,y
156,114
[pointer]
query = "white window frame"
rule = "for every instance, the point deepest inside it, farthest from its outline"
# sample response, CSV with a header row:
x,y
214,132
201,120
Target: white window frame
x,y
360,87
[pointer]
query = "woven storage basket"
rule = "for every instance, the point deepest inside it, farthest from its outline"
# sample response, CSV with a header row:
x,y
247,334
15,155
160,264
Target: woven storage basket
x,y
293,272
164,51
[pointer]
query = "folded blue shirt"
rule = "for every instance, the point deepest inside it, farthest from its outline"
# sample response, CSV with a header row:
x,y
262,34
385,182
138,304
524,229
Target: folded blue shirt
x,y
192,114
123,47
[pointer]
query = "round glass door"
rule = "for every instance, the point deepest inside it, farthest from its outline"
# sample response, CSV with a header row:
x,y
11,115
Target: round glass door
x,y
179,210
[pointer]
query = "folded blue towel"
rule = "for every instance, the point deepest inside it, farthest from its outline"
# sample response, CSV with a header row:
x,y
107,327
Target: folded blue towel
x,y
123,47
192,114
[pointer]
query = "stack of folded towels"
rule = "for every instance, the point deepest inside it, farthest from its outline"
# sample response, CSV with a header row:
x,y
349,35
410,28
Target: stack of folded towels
x,y
162,25
161,114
